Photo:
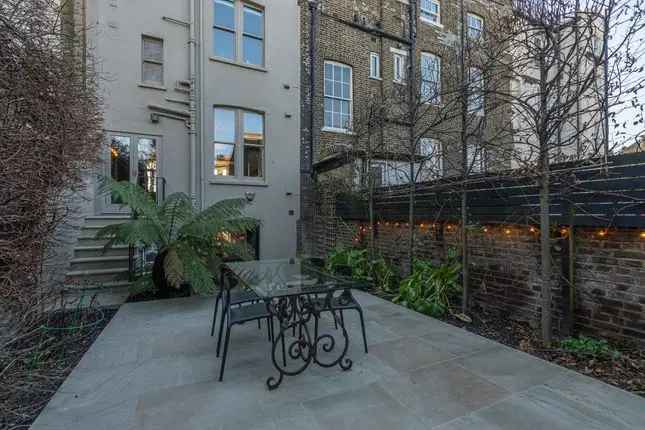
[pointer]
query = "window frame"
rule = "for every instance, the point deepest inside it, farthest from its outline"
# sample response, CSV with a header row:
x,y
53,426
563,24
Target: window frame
x,y
261,146
239,145
403,56
437,100
145,61
228,30
243,33
435,159
480,30
475,93
350,100
239,33
377,75
429,12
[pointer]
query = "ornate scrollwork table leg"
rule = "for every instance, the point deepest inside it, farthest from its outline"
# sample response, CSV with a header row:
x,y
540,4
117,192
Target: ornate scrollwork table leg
x,y
298,352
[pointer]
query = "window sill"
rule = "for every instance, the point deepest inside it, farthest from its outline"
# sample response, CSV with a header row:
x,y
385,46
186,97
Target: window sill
x,y
238,64
431,23
151,86
337,130
238,182
400,82
375,78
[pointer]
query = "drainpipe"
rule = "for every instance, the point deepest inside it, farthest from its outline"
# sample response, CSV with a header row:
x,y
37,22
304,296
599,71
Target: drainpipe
x,y
313,24
192,97
202,132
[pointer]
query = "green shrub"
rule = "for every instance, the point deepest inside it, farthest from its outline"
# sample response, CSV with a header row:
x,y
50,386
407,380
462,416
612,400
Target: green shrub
x,y
586,347
429,288
354,258
378,272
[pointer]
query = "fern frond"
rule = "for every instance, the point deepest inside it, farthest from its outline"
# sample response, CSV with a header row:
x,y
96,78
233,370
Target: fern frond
x,y
136,232
196,269
174,268
131,195
175,212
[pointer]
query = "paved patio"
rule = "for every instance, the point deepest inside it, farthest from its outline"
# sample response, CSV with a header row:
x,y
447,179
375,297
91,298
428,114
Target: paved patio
x,y
154,367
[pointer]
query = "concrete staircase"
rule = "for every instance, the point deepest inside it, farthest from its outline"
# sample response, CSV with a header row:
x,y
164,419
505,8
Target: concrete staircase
x,y
92,268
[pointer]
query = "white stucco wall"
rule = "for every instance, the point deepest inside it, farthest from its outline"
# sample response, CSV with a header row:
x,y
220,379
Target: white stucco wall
x,y
115,38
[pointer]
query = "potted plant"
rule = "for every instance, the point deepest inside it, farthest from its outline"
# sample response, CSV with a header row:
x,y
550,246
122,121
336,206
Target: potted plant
x,y
190,243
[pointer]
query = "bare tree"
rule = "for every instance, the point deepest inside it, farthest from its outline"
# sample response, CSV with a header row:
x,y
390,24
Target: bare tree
x,y
569,65
50,131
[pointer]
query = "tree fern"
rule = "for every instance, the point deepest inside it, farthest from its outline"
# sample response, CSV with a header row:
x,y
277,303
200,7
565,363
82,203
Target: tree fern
x,y
192,242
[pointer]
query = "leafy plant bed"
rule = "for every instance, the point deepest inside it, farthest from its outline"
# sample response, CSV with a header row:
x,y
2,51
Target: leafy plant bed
x,y
619,364
33,366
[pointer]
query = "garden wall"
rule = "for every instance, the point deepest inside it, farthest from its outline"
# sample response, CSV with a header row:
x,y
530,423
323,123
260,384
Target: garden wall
x,y
609,269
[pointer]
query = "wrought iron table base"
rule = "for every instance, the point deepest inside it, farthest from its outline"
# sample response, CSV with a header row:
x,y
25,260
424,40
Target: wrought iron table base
x,y
294,313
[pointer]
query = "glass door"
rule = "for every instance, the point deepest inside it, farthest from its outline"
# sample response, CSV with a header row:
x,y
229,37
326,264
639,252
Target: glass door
x,y
132,158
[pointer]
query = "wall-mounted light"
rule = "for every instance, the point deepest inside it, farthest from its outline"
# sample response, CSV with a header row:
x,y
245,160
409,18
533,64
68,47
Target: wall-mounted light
x,y
250,196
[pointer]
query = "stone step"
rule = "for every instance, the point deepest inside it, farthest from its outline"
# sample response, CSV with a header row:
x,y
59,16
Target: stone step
x,y
90,251
102,262
96,277
90,241
89,232
103,220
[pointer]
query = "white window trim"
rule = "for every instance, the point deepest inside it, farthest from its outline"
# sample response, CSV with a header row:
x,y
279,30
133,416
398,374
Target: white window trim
x,y
401,53
351,99
482,111
376,76
438,154
439,100
429,21
239,145
480,18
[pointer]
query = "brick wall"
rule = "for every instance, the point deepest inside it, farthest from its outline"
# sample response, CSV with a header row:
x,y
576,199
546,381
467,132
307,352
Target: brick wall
x,y
505,270
347,31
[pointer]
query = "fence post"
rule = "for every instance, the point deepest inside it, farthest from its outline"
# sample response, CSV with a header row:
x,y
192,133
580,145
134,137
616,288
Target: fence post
x,y
567,257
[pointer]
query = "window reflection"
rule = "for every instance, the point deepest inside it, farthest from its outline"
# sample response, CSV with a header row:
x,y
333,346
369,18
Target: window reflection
x,y
119,162
253,144
147,165
224,159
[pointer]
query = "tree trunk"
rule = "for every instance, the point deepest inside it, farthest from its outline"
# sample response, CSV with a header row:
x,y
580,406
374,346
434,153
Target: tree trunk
x,y
545,254
545,222
464,164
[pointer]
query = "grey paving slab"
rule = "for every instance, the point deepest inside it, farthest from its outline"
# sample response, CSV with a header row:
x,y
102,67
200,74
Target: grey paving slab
x,y
409,353
541,408
154,367
510,369
369,407
457,342
443,392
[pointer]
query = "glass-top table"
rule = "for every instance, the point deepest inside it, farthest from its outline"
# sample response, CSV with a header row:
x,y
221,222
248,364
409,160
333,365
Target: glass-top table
x,y
278,278
297,294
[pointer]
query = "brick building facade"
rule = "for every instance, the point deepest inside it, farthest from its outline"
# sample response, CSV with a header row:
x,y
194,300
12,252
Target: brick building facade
x,y
353,37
